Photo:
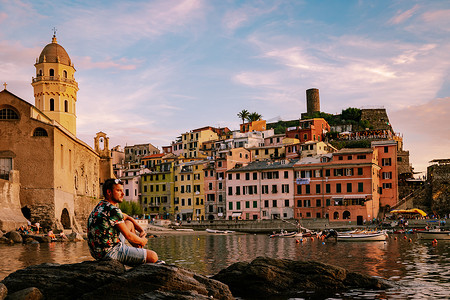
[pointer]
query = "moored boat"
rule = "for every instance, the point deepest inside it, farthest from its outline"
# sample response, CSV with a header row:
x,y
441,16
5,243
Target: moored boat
x,y
363,237
285,234
218,231
358,236
434,234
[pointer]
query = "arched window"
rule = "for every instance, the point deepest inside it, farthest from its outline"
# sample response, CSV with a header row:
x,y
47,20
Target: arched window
x,y
66,106
336,215
52,72
346,215
8,114
40,73
52,104
40,132
65,74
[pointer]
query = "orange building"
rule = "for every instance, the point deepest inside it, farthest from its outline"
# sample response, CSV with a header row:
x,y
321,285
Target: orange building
x,y
387,160
338,186
351,184
259,125
309,130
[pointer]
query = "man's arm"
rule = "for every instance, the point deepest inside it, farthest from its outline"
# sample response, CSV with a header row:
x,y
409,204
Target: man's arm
x,y
134,240
137,227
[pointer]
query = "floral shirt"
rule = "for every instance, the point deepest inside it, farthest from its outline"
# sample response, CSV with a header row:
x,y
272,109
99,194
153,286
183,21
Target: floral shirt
x,y
102,232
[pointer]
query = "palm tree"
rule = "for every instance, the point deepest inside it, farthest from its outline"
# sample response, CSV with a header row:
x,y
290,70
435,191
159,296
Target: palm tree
x,y
243,115
254,116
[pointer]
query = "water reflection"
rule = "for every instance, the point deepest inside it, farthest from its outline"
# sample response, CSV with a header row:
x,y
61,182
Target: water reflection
x,y
421,269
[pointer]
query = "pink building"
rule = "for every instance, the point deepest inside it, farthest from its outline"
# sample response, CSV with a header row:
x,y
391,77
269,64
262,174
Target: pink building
x,y
215,180
261,190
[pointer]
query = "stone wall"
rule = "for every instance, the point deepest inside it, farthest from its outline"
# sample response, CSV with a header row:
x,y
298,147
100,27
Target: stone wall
x,y
11,216
378,118
439,178
83,207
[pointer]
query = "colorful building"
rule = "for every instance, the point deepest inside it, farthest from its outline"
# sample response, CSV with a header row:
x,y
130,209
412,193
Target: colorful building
x,y
189,196
261,190
340,186
259,125
309,130
215,182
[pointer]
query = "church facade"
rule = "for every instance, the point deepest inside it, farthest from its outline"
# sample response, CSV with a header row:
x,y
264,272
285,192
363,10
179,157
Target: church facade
x,y
60,175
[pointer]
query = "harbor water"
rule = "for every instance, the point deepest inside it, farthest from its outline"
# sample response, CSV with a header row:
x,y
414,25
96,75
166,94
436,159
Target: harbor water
x,y
418,268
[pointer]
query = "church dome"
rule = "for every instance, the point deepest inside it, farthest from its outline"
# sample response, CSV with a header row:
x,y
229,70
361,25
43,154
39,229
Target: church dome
x,y
54,53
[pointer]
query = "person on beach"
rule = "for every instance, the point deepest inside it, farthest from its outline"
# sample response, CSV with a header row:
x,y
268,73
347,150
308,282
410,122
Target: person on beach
x,y
108,227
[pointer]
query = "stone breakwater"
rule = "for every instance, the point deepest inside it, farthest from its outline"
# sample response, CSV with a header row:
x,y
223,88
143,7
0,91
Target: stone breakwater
x,y
262,278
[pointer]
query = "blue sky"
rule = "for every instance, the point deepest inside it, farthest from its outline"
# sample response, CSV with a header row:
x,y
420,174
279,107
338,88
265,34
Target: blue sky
x,y
151,70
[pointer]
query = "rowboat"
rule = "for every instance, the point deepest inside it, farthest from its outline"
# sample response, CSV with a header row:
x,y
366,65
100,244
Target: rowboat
x,y
363,237
285,234
434,234
218,231
358,236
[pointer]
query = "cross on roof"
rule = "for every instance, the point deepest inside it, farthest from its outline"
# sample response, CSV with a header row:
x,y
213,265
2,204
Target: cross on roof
x,y
5,84
54,31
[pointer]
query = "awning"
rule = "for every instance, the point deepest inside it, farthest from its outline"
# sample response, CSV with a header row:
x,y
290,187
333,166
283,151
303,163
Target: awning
x,y
236,214
409,211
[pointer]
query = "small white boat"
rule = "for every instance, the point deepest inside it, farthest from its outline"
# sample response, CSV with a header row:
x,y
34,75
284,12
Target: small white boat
x,y
434,234
285,234
363,236
358,236
219,231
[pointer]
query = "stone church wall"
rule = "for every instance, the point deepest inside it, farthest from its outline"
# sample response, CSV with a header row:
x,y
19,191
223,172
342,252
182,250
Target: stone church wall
x,y
11,216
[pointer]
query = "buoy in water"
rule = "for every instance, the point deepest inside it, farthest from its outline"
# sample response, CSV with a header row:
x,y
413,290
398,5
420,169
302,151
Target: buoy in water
x,y
297,241
410,240
395,238
404,237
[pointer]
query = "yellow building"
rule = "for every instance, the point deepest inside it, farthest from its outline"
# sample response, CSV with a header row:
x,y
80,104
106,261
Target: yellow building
x,y
157,187
192,141
189,194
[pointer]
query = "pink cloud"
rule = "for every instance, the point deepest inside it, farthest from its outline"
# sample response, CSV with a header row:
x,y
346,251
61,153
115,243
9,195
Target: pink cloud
x,y
3,16
438,15
425,131
403,16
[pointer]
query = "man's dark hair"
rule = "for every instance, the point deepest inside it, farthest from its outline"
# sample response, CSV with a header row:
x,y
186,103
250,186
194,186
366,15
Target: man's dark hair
x,y
109,184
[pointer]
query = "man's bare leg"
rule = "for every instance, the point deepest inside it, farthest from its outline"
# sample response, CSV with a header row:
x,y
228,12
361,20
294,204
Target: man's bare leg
x,y
151,257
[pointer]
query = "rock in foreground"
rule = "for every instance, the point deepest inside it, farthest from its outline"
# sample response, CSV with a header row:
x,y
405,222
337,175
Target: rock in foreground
x,y
110,280
264,278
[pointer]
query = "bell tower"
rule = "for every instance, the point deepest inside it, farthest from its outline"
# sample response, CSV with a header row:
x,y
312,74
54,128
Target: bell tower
x,y
55,88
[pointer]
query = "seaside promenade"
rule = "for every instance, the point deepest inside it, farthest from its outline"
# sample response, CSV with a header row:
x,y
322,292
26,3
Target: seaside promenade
x,y
269,226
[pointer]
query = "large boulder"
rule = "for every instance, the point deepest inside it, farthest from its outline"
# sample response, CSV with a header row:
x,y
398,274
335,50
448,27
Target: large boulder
x,y
3,291
110,280
265,277
14,236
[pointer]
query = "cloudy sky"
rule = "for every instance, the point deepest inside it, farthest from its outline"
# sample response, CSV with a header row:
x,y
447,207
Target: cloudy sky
x,y
151,70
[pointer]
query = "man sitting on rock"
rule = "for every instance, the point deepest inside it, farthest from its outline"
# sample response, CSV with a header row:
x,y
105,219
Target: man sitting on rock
x,y
108,227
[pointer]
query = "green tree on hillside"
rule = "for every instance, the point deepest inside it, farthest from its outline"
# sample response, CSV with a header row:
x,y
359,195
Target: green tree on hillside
x,y
254,116
351,114
243,115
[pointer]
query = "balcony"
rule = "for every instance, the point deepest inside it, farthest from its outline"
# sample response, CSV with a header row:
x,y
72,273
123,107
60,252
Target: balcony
x,y
55,78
